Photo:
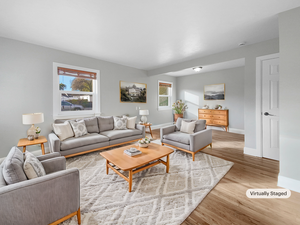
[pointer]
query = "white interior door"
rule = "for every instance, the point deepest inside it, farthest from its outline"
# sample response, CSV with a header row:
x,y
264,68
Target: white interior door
x,y
270,108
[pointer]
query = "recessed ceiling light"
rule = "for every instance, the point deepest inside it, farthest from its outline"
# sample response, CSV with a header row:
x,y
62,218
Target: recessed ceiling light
x,y
197,69
242,43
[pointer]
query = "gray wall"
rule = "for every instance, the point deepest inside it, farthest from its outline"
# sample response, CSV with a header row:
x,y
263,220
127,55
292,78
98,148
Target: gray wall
x,y
190,89
289,24
249,52
26,87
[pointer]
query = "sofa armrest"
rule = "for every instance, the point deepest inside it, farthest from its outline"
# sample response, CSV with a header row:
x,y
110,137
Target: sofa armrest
x,y
140,127
54,143
200,139
54,164
48,156
166,130
53,196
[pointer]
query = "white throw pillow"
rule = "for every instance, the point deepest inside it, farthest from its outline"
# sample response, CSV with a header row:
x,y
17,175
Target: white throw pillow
x,y
187,127
78,127
130,122
33,168
63,130
120,123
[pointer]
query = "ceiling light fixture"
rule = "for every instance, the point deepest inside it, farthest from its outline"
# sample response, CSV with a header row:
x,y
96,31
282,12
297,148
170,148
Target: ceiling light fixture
x,y
197,69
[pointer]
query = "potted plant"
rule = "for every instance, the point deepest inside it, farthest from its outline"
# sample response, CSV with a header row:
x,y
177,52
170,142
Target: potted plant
x,y
179,107
37,132
143,143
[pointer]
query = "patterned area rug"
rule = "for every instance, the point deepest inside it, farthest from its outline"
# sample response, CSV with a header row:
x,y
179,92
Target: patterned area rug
x,y
156,197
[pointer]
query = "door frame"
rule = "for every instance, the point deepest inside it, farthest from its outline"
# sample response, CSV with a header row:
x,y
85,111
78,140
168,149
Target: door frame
x,y
259,61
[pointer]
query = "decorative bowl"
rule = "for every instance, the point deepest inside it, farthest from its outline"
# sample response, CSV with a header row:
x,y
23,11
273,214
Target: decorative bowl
x,y
143,145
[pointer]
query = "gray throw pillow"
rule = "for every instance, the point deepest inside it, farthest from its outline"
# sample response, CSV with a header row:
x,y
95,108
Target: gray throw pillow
x,y
105,123
200,125
32,166
92,125
78,127
13,167
120,123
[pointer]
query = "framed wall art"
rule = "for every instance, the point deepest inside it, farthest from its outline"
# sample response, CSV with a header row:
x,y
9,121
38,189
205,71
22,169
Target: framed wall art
x,y
131,92
214,92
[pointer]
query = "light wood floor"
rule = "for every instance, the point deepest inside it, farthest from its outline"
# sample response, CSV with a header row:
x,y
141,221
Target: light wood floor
x,y
227,203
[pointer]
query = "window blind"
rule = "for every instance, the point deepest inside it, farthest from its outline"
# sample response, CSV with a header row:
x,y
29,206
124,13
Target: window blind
x,y
76,73
165,85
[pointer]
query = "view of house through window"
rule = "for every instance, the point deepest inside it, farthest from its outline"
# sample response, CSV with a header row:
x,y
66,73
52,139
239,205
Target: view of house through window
x,y
76,89
164,94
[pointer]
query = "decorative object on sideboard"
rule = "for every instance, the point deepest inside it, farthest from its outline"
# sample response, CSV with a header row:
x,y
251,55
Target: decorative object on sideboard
x,y
131,92
144,113
37,132
31,119
218,107
143,143
214,92
205,107
179,107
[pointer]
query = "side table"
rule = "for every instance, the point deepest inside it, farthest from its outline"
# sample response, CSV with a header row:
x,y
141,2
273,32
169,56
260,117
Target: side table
x,y
148,125
25,142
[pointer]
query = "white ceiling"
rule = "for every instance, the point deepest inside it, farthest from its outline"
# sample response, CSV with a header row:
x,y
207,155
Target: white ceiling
x,y
144,34
209,68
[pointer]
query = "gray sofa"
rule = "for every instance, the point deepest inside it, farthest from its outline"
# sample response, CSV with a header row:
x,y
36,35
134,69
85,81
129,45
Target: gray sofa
x,y
42,200
100,136
190,143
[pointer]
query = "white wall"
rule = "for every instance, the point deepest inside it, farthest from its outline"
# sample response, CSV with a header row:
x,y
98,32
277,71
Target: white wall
x,y
289,33
190,89
26,87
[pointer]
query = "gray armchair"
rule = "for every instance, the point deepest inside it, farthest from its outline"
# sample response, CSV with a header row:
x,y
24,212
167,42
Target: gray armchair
x,y
190,143
49,199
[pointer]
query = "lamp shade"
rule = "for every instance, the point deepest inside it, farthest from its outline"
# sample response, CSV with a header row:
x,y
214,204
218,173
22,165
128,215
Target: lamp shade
x,y
33,118
144,112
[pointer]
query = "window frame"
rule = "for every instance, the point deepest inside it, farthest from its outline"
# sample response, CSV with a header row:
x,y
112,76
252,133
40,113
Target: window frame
x,y
57,113
170,96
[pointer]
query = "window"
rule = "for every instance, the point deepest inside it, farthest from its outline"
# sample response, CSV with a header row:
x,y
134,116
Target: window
x,y
76,91
164,95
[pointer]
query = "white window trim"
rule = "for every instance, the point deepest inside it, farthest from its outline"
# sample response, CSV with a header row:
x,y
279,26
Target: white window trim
x,y
170,96
57,113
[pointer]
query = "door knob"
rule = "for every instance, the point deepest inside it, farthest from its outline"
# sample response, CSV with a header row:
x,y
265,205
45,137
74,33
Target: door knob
x,y
268,114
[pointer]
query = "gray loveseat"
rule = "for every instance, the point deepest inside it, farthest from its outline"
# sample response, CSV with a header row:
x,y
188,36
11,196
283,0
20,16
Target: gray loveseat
x,y
101,135
42,200
190,143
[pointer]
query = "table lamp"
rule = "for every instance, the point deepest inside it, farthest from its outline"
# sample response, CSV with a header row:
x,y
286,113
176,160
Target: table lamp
x,y
144,113
32,118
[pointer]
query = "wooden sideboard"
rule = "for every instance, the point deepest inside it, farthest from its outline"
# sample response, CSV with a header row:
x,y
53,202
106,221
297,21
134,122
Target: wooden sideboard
x,y
214,117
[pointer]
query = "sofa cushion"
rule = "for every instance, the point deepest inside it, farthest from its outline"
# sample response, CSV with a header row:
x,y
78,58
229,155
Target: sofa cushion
x,y
178,136
2,181
130,122
116,134
32,166
88,139
92,125
13,167
188,127
179,121
79,128
105,123
63,130
200,125
120,123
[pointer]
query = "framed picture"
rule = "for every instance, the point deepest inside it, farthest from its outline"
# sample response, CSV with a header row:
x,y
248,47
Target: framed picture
x,y
131,92
214,92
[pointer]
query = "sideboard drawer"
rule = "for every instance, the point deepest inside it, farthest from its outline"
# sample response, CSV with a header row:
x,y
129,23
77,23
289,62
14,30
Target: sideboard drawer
x,y
205,116
219,117
219,122
206,111
209,122
221,112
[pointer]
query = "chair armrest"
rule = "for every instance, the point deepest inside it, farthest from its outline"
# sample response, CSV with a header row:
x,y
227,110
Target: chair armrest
x,y
54,164
140,127
48,156
200,139
166,130
53,196
54,143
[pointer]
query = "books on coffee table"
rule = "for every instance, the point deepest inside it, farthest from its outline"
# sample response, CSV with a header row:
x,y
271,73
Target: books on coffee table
x,y
132,152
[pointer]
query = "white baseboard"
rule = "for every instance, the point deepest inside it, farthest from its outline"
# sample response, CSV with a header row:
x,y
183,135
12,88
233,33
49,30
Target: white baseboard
x,y
155,127
252,151
289,183
231,130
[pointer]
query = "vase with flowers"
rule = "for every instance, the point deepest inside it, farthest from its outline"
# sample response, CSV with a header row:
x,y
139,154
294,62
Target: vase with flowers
x,y
143,143
37,132
179,107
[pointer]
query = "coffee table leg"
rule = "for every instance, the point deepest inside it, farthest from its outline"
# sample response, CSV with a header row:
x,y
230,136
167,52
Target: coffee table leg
x,y
130,180
107,166
168,159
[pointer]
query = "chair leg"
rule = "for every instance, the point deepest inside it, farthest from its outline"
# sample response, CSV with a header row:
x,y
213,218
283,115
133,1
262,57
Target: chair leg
x,y
210,145
193,154
78,216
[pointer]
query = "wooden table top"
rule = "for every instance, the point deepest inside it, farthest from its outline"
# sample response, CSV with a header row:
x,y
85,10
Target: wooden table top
x,y
26,142
126,162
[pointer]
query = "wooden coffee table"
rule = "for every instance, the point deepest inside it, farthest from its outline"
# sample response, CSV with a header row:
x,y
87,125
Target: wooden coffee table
x,y
150,156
